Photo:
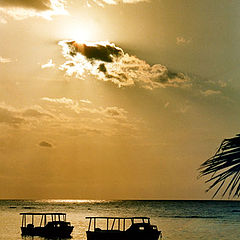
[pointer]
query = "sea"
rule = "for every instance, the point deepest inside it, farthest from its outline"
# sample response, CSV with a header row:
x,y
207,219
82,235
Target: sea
x,y
178,220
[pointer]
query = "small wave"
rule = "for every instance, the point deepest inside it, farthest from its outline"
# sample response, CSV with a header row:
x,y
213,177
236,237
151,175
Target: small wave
x,y
29,207
236,210
192,216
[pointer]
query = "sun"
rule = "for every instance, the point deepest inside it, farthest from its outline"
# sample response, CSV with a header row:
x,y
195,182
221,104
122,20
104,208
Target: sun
x,y
82,32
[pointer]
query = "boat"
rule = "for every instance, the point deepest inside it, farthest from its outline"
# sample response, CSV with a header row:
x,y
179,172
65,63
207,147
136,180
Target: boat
x,y
48,225
122,228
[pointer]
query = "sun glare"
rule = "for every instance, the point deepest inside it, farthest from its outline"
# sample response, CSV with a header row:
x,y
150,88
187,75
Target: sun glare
x,y
80,32
76,201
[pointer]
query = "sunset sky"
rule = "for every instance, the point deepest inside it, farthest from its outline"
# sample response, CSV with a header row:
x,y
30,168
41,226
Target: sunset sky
x,y
107,99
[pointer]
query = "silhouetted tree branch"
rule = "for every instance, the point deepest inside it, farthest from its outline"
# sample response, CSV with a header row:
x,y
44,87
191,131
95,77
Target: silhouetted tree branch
x,y
224,168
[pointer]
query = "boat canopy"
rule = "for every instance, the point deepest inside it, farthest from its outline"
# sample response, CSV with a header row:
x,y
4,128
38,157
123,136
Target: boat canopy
x,y
119,221
43,214
43,219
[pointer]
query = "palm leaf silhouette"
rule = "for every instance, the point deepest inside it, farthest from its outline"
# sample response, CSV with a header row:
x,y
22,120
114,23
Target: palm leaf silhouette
x,y
224,168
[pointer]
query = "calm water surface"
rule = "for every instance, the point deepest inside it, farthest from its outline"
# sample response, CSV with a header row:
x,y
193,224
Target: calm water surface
x,y
178,220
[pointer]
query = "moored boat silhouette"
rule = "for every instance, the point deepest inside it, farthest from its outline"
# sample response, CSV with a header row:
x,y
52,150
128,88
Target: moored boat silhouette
x,y
115,229
57,226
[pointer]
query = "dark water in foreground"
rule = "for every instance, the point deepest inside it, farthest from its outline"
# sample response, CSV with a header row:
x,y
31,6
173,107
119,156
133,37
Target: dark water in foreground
x,y
178,220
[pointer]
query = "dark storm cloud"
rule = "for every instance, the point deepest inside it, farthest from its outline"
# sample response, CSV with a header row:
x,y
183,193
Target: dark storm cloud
x,y
45,144
40,5
105,53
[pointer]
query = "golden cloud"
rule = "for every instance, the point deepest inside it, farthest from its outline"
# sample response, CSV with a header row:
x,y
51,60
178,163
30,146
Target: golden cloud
x,y
21,9
68,116
107,62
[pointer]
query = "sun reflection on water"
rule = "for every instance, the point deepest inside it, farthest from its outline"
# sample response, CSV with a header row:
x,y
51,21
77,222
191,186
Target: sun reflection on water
x,y
71,201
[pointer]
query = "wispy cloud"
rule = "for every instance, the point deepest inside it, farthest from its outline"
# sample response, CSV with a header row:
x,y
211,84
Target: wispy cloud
x,y
109,120
102,3
166,104
38,5
21,9
184,109
107,62
5,60
85,101
3,20
183,41
63,100
15,117
7,116
210,92
49,64
33,113
108,112
68,116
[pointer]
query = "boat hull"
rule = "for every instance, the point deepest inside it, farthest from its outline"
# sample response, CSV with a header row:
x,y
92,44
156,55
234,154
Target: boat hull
x,y
122,235
47,232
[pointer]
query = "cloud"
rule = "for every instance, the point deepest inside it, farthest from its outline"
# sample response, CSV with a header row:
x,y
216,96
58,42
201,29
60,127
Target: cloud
x,y
82,131
102,51
166,104
3,20
5,60
59,100
108,112
182,41
89,119
69,117
210,92
85,101
35,4
21,9
184,109
45,144
34,113
114,112
108,62
49,64
102,3
25,117
9,117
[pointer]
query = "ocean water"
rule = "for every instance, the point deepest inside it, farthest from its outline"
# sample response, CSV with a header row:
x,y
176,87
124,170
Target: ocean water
x,y
178,220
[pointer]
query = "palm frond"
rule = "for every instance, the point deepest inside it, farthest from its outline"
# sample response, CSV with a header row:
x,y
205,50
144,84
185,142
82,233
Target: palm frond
x,y
224,168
